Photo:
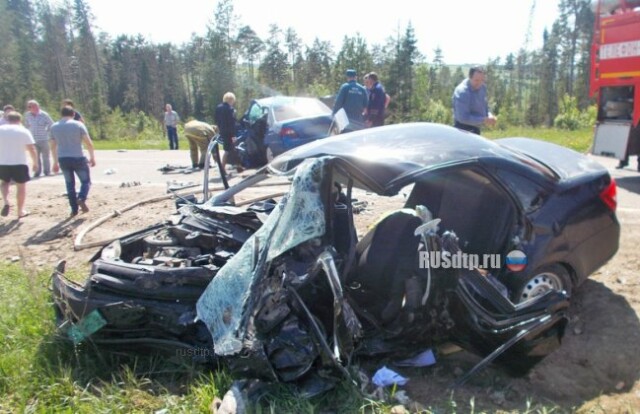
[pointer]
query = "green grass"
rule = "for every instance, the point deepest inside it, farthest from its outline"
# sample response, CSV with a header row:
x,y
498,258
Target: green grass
x,y
578,140
132,144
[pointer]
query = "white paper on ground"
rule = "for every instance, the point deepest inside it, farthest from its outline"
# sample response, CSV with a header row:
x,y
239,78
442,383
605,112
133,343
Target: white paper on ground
x,y
385,377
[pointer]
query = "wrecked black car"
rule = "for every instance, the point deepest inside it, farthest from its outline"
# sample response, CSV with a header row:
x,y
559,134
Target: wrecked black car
x,y
483,250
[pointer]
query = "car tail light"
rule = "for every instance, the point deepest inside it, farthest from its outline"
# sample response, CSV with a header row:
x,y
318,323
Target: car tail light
x,y
609,195
286,132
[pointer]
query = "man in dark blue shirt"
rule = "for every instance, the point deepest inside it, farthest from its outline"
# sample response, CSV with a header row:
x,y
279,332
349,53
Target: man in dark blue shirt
x,y
470,107
377,101
352,97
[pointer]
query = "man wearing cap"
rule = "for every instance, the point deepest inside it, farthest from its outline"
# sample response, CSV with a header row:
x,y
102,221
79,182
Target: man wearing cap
x,y
352,97
470,107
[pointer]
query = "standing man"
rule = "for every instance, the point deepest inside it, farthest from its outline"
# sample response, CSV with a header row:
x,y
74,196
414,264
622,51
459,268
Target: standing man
x,y
199,135
6,110
67,137
78,115
470,107
14,140
377,102
39,122
353,98
226,122
171,120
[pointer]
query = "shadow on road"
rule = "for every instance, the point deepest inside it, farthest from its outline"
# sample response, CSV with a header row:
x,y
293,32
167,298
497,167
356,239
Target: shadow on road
x,y
8,227
631,184
63,228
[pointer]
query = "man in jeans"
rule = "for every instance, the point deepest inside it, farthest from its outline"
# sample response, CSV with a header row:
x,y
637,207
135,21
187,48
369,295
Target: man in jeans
x,y
67,137
171,120
39,122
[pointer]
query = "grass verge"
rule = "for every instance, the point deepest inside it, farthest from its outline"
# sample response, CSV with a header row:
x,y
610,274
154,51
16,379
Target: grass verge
x,y
130,144
578,140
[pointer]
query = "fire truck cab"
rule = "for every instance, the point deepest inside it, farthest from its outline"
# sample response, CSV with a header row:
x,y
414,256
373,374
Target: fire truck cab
x,y
615,78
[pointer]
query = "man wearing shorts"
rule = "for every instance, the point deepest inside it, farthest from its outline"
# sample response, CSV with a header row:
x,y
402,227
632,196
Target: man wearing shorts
x,y
14,140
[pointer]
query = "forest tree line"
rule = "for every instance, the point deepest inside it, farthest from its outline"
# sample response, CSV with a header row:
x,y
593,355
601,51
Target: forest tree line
x,y
51,51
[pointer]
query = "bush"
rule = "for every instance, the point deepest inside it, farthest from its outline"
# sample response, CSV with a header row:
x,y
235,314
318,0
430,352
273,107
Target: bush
x,y
438,112
135,126
571,118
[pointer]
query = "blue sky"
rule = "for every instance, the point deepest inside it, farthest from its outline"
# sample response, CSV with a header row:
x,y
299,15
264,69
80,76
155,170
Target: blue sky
x,y
468,31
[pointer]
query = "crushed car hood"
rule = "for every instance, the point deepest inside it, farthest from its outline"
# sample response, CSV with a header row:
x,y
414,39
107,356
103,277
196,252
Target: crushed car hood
x,y
299,217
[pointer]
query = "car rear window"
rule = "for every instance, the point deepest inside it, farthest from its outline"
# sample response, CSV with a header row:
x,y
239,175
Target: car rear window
x,y
299,108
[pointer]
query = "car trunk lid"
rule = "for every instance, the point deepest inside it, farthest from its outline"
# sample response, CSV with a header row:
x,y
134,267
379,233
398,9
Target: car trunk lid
x,y
564,162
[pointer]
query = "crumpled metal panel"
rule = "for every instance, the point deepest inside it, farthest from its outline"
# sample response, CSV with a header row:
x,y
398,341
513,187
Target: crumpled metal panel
x,y
299,217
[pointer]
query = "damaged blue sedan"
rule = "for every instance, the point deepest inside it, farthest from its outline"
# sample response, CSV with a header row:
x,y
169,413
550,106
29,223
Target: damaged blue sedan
x,y
483,250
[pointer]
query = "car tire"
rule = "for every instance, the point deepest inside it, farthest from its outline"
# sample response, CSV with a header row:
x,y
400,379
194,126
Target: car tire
x,y
269,154
553,276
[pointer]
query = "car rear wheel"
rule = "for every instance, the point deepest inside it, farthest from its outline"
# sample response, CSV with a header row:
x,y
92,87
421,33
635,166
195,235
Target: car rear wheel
x,y
269,154
550,277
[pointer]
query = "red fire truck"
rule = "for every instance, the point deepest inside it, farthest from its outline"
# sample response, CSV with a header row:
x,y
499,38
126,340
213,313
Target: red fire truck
x,y
615,78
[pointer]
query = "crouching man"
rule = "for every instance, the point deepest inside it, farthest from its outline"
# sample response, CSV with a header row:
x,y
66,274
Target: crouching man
x,y
67,137
199,135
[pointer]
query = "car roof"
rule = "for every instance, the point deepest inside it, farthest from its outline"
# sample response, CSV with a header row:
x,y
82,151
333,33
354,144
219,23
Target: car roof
x,y
387,153
273,100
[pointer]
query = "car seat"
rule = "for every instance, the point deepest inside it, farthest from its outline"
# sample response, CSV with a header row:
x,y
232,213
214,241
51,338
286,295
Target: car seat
x,y
385,257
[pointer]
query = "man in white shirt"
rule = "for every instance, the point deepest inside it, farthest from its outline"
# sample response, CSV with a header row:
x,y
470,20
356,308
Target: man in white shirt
x,y
14,140
171,120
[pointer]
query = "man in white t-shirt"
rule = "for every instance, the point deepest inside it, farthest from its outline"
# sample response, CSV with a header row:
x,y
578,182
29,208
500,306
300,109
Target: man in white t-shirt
x,y
15,141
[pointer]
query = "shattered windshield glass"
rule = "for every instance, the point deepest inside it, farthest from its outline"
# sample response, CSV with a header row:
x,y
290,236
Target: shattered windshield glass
x,y
299,217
